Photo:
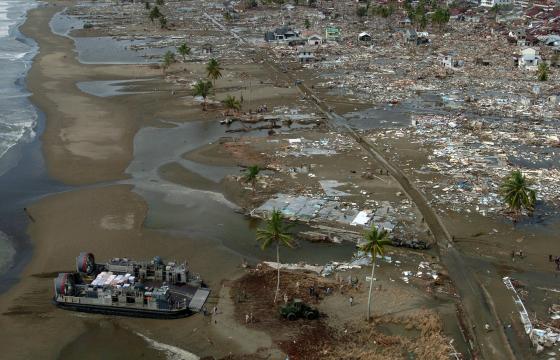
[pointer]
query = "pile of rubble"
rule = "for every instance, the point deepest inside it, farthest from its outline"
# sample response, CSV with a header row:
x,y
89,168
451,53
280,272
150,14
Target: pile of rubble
x,y
468,159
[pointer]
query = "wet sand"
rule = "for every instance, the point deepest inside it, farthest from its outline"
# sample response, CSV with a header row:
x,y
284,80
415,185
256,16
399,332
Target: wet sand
x,y
89,140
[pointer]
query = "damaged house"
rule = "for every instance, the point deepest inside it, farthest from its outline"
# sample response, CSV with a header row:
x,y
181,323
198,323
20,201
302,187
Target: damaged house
x,y
332,33
518,36
283,33
529,59
314,40
306,55
364,37
449,60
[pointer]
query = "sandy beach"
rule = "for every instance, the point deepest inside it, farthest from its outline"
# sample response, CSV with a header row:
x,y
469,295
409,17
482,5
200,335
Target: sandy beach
x,y
87,140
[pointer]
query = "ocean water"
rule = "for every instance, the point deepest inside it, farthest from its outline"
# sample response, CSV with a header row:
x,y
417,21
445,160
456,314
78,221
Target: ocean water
x,y
18,117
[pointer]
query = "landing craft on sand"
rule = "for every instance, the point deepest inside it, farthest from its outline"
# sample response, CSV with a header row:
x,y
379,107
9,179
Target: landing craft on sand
x,y
131,288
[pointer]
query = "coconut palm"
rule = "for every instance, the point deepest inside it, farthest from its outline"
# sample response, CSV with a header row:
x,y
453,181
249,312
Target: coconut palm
x,y
162,22
214,70
275,232
202,88
168,59
375,240
154,13
542,72
231,103
517,194
184,50
251,175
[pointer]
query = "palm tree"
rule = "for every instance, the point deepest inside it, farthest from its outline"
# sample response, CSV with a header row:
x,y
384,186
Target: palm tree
x,y
232,103
251,175
202,88
214,70
168,59
275,232
184,50
517,194
375,239
162,22
542,72
154,13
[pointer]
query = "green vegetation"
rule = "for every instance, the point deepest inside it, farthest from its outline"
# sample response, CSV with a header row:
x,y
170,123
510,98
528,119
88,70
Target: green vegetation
x,y
202,88
154,13
231,103
184,50
168,59
440,17
375,240
417,15
275,232
159,2
517,193
213,70
307,23
543,71
252,174
383,11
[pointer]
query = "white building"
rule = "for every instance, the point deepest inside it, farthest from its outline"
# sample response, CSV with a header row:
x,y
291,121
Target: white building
x,y
529,59
314,39
306,55
491,3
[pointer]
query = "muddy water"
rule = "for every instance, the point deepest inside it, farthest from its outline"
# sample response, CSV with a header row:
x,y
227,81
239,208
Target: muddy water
x,y
106,88
204,216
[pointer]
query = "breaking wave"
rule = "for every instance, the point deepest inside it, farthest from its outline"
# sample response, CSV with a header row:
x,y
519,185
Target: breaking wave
x,y
172,352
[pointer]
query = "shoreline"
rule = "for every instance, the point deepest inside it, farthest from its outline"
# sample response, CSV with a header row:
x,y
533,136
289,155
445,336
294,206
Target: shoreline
x,y
25,170
84,132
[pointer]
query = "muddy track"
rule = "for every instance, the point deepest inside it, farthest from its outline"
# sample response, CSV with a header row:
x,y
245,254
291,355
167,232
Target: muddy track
x,y
478,305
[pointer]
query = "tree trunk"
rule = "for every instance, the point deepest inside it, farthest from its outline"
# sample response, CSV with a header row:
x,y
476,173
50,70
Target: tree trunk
x,y
373,260
278,267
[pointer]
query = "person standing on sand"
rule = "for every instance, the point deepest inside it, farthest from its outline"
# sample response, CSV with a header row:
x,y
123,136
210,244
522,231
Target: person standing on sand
x,y
246,318
351,300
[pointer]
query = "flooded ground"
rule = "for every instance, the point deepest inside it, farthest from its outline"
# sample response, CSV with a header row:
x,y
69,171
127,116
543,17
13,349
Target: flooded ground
x,y
201,214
